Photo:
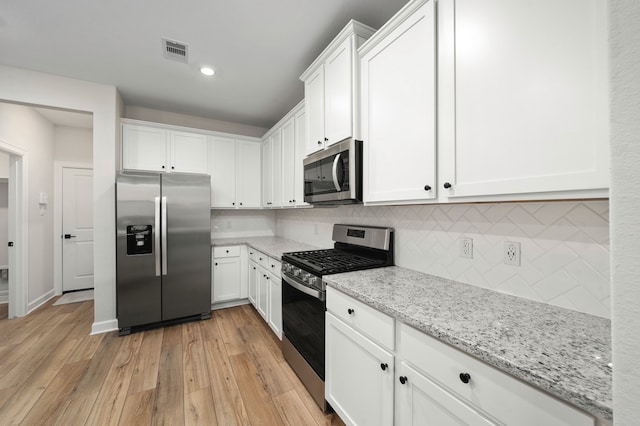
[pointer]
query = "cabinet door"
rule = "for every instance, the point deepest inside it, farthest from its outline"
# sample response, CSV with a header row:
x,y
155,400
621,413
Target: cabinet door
x,y
144,148
338,75
523,110
301,143
275,304
398,112
289,162
226,279
420,402
249,176
267,178
223,172
314,103
189,152
356,385
253,283
263,293
276,168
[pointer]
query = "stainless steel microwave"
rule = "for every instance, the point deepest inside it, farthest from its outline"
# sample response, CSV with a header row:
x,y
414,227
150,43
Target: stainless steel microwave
x,y
334,175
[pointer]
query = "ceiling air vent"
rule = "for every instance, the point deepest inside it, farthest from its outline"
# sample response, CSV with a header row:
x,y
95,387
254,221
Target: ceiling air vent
x,y
175,50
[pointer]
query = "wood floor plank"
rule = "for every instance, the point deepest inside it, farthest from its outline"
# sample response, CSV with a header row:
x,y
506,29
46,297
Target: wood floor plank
x,y
87,348
168,407
138,408
172,335
199,408
292,409
228,403
260,409
228,331
145,375
99,365
270,339
51,402
194,359
108,405
75,410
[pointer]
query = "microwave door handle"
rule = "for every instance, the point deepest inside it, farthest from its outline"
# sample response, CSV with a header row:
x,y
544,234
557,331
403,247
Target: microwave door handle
x,y
334,172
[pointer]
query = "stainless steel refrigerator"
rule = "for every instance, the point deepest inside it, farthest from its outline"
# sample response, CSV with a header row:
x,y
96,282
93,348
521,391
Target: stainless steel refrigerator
x,y
163,243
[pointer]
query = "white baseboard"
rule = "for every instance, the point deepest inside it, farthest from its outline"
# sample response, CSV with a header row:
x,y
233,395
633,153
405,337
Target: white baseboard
x,y
229,304
40,301
104,326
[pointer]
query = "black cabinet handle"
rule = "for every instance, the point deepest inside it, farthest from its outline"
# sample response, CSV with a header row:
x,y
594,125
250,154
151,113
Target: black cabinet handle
x,y
465,377
447,185
384,366
350,311
427,188
403,379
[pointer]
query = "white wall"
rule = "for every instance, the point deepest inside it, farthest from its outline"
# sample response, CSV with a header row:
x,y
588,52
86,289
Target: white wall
x,y
23,127
564,245
104,102
73,144
625,207
4,165
147,114
242,223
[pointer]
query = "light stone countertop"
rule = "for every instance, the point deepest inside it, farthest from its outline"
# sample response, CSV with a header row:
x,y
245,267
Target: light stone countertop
x,y
271,246
563,352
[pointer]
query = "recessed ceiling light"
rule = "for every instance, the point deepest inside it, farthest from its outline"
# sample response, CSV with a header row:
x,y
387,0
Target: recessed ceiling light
x,y
207,71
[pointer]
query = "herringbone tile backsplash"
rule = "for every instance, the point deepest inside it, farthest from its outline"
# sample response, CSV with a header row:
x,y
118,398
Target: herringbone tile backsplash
x,y
564,245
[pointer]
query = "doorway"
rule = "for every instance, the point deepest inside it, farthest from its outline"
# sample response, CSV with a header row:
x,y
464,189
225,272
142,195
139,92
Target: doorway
x,y
14,270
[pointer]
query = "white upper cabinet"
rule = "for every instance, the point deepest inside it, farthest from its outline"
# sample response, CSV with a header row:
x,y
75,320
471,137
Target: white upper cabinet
x,y
223,172
235,173
248,177
282,153
289,162
330,85
523,99
154,148
188,152
398,103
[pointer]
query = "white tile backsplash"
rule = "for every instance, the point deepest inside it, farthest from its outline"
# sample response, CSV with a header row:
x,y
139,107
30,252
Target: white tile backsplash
x,y
565,245
242,223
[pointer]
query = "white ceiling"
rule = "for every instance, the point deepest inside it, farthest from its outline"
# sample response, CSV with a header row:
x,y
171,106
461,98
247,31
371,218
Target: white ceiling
x,y
258,48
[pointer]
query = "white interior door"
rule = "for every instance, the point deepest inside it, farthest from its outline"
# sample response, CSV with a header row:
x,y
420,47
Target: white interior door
x,y
77,229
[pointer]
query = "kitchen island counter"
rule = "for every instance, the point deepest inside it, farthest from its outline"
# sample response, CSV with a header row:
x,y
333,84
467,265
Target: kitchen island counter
x,y
563,352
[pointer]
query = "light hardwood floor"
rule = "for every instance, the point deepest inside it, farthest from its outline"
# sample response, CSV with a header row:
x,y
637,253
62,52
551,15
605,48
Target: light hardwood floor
x,y
226,371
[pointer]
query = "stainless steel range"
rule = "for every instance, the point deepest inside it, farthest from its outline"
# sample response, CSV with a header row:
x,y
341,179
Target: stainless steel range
x,y
303,295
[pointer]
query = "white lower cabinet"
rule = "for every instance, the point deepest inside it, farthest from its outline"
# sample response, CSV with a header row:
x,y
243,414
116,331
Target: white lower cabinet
x,y
227,274
358,376
275,304
253,283
434,383
263,292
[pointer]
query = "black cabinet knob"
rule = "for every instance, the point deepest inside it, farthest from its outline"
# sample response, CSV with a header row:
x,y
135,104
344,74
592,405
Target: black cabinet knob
x,y
233,204
293,201
216,263
326,139
465,377
254,268
240,203
350,311
172,167
403,379
266,277
384,366
319,142
447,185
427,188
227,251
163,167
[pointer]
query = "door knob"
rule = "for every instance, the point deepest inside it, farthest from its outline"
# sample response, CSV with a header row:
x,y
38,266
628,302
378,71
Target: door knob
x,y
68,236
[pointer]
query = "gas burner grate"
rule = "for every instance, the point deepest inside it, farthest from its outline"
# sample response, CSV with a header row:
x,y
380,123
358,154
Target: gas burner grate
x,y
333,261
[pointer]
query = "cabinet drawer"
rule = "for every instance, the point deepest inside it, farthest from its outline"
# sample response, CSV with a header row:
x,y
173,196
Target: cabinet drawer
x,y
496,393
274,266
263,260
367,320
253,254
226,251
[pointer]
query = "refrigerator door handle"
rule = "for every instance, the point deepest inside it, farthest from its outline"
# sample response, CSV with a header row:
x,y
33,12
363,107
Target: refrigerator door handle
x,y
164,235
156,235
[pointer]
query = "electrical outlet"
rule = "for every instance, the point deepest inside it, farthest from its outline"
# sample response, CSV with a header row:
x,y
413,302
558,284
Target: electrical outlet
x,y
466,247
512,253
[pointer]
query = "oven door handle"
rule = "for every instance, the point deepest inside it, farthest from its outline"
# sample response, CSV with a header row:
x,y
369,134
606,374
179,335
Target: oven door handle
x,y
317,294
334,172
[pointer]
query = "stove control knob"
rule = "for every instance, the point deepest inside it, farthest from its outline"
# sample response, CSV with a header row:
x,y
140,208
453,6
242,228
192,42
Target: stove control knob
x,y
296,272
312,280
305,276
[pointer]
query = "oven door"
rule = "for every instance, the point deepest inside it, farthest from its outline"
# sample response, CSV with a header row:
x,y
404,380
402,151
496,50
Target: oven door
x,y
303,310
